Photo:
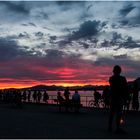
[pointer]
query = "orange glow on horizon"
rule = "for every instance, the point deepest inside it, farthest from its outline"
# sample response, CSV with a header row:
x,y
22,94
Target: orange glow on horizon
x,y
11,83
58,83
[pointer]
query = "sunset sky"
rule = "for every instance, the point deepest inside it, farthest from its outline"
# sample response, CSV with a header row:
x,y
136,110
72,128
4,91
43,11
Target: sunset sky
x,y
68,43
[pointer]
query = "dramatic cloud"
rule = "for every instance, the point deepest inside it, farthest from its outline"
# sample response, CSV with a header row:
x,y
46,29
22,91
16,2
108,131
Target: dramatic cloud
x,y
88,29
9,49
67,42
24,35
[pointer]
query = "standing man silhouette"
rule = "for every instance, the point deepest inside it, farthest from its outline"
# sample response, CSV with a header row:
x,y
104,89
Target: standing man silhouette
x,y
66,95
118,85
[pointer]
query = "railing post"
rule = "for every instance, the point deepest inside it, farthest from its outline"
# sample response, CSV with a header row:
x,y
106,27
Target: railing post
x,y
52,99
86,101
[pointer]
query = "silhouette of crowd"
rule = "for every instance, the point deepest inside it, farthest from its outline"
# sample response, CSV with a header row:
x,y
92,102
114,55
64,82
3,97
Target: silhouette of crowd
x,y
17,96
116,96
68,103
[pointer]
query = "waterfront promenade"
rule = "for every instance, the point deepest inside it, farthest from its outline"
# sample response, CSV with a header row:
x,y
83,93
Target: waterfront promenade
x,y
45,121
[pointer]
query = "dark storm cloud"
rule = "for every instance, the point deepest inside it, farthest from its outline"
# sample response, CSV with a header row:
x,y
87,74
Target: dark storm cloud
x,y
88,29
83,44
17,7
39,34
126,9
8,49
63,43
130,15
105,43
116,36
116,39
52,39
40,46
24,35
121,42
129,43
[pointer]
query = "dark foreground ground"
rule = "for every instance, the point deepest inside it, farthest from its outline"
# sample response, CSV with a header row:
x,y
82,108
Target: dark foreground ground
x,y
41,121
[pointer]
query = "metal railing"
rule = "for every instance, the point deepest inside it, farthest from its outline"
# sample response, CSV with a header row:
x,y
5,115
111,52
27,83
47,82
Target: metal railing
x,y
84,101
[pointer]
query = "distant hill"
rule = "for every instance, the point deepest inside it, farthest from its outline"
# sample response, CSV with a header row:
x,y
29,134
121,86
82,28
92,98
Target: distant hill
x,y
45,87
86,87
53,87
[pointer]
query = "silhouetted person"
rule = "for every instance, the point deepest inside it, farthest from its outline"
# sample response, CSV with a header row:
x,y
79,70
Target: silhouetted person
x,y
128,99
4,96
66,95
97,97
18,98
60,99
45,97
7,95
39,96
24,95
35,96
1,94
106,96
76,101
135,100
118,86
29,96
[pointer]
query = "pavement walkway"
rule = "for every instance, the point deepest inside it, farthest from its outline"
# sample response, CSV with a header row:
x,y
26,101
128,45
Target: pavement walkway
x,y
45,121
